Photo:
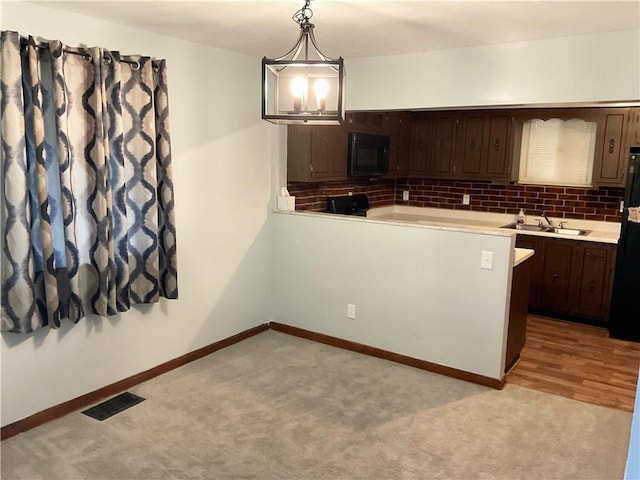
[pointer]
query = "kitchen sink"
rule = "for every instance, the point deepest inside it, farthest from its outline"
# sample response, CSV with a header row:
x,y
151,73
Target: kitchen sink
x,y
524,226
569,231
548,229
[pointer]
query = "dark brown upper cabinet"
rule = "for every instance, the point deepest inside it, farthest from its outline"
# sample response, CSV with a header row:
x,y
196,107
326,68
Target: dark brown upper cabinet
x,y
400,141
473,145
610,162
368,122
499,148
457,144
484,147
316,153
440,157
421,147
633,128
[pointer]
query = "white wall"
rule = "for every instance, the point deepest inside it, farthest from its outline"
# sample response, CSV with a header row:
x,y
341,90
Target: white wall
x,y
222,169
419,292
588,68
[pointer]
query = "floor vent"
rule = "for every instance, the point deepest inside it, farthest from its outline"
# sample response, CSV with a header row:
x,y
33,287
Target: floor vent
x,y
112,406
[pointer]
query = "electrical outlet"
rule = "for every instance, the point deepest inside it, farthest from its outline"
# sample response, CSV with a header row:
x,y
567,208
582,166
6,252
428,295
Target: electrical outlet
x,y
486,260
466,199
405,195
351,310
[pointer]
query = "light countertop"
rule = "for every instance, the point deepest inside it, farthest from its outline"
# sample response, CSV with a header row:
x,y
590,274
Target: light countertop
x,y
522,254
601,232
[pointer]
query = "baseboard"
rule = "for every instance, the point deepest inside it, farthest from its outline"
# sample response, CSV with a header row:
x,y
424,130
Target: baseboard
x,y
386,355
91,398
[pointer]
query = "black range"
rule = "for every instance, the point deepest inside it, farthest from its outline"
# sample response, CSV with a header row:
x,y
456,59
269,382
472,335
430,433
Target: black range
x,y
348,205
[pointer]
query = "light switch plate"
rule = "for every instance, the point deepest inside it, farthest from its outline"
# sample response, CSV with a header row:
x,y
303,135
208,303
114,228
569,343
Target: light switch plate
x,y
486,260
405,195
466,199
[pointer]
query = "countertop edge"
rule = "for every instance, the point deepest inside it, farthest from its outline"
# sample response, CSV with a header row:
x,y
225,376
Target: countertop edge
x,y
472,229
522,254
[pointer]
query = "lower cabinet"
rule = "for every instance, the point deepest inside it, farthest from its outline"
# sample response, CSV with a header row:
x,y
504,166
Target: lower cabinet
x,y
570,277
594,267
517,331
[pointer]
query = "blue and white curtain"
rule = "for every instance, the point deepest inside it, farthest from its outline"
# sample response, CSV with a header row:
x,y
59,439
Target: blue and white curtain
x,y
87,194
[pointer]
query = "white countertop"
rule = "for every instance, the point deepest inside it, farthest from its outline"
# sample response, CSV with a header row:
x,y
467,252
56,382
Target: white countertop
x,y
521,255
602,232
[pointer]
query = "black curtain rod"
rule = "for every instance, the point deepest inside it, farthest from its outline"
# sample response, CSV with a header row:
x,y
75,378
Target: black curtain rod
x,y
135,65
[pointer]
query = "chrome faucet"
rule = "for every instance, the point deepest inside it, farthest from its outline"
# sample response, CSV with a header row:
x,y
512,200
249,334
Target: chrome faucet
x,y
544,215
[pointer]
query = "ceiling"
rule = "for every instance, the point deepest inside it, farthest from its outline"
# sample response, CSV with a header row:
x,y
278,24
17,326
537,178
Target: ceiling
x,y
357,28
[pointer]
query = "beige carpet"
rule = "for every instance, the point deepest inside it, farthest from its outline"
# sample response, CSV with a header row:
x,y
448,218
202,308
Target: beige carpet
x,y
275,406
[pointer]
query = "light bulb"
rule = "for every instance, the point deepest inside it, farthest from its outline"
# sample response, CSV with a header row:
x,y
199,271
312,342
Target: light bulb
x,y
298,90
321,88
298,87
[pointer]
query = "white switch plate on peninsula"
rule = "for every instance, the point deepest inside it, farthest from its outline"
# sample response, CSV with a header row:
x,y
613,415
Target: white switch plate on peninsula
x,y
351,310
486,260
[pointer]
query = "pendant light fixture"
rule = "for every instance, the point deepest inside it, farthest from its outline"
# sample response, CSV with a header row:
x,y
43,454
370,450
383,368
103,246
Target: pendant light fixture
x,y
303,85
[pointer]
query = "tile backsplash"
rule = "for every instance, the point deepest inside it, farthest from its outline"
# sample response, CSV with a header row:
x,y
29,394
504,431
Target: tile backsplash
x,y
560,202
313,196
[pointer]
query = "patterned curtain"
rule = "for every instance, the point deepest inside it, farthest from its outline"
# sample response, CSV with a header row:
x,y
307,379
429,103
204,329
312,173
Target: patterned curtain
x,y
87,198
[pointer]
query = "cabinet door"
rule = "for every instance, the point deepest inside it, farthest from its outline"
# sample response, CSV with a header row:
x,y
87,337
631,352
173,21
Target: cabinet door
x,y
442,148
316,152
556,276
633,135
400,129
498,164
299,153
328,152
421,146
593,281
368,122
537,261
610,160
471,140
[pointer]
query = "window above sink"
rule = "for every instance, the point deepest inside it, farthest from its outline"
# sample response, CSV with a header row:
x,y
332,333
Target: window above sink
x,y
557,152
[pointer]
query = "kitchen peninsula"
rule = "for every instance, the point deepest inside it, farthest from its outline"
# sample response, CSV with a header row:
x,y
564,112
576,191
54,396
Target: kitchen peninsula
x,y
418,289
415,277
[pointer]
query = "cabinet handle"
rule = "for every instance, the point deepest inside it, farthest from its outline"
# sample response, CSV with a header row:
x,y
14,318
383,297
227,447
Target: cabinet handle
x,y
555,275
592,286
311,167
612,145
472,144
497,144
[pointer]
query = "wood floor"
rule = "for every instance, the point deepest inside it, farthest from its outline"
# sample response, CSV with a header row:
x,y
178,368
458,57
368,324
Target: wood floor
x,y
579,362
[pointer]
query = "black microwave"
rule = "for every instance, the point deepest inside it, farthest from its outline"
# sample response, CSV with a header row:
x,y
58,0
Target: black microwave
x,y
368,154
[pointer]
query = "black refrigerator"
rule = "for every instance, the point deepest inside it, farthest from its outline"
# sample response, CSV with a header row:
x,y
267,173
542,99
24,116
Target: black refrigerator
x,y
624,321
